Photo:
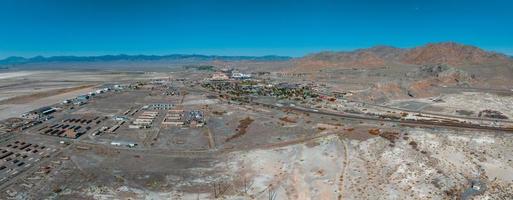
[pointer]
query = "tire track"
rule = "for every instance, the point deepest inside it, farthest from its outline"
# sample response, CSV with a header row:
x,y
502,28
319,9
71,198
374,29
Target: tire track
x,y
343,173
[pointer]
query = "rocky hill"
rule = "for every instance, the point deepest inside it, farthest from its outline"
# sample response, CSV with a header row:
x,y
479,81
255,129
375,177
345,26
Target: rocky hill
x,y
448,53
451,54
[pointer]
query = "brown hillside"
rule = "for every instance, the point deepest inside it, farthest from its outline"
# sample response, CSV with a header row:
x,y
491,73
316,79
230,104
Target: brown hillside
x,y
448,53
451,54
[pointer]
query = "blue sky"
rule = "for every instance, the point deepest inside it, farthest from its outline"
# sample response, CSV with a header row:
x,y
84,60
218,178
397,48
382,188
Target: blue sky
x,y
238,27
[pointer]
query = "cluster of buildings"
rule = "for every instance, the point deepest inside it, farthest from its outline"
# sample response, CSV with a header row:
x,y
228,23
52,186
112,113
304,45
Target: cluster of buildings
x,y
82,99
225,75
251,87
72,127
11,124
144,120
40,113
219,76
194,118
158,106
43,113
173,118
121,143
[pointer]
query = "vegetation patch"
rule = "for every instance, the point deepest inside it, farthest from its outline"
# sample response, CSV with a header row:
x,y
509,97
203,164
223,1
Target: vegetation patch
x,y
388,135
241,129
215,112
287,119
492,114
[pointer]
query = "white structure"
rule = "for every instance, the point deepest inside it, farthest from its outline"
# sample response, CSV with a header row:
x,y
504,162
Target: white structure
x,y
238,75
218,76
120,118
123,143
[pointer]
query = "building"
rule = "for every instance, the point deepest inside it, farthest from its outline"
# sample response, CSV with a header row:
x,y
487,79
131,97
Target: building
x,y
173,118
123,143
195,118
79,103
45,110
173,123
146,118
121,118
160,106
38,113
238,75
83,97
219,76
143,121
137,126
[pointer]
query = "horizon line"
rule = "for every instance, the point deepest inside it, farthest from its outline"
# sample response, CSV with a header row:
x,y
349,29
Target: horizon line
x,y
507,53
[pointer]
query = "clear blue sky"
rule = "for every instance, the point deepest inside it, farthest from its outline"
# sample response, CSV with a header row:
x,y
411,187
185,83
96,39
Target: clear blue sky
x,y
238,27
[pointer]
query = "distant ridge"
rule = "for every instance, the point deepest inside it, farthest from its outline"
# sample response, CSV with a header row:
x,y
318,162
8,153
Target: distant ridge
x,y
449,53
14,60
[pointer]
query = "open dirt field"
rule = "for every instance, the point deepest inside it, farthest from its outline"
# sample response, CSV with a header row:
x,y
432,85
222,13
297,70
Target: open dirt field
x,y
117,145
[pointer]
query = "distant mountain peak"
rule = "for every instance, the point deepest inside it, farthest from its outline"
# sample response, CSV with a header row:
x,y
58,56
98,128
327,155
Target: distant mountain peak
x,y
449,53
124,57
382,48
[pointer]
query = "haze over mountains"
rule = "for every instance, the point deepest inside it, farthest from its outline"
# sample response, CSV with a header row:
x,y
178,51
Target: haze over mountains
x,y
122,57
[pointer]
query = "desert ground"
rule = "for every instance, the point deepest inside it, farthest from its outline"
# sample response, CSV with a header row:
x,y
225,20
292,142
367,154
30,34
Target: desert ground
x,y
404,131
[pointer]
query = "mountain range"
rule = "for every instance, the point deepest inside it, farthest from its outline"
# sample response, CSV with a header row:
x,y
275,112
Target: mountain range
x,y
14,60
448,53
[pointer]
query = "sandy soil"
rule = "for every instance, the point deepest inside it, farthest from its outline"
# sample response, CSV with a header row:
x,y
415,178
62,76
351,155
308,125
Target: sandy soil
x,y
24,99
476,101
15,109
420,165
7,75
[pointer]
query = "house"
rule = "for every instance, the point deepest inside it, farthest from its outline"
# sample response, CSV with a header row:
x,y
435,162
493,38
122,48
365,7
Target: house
x,y
121,118
219,76
123,143
238,75
79,103
160,106
83,97
37,113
